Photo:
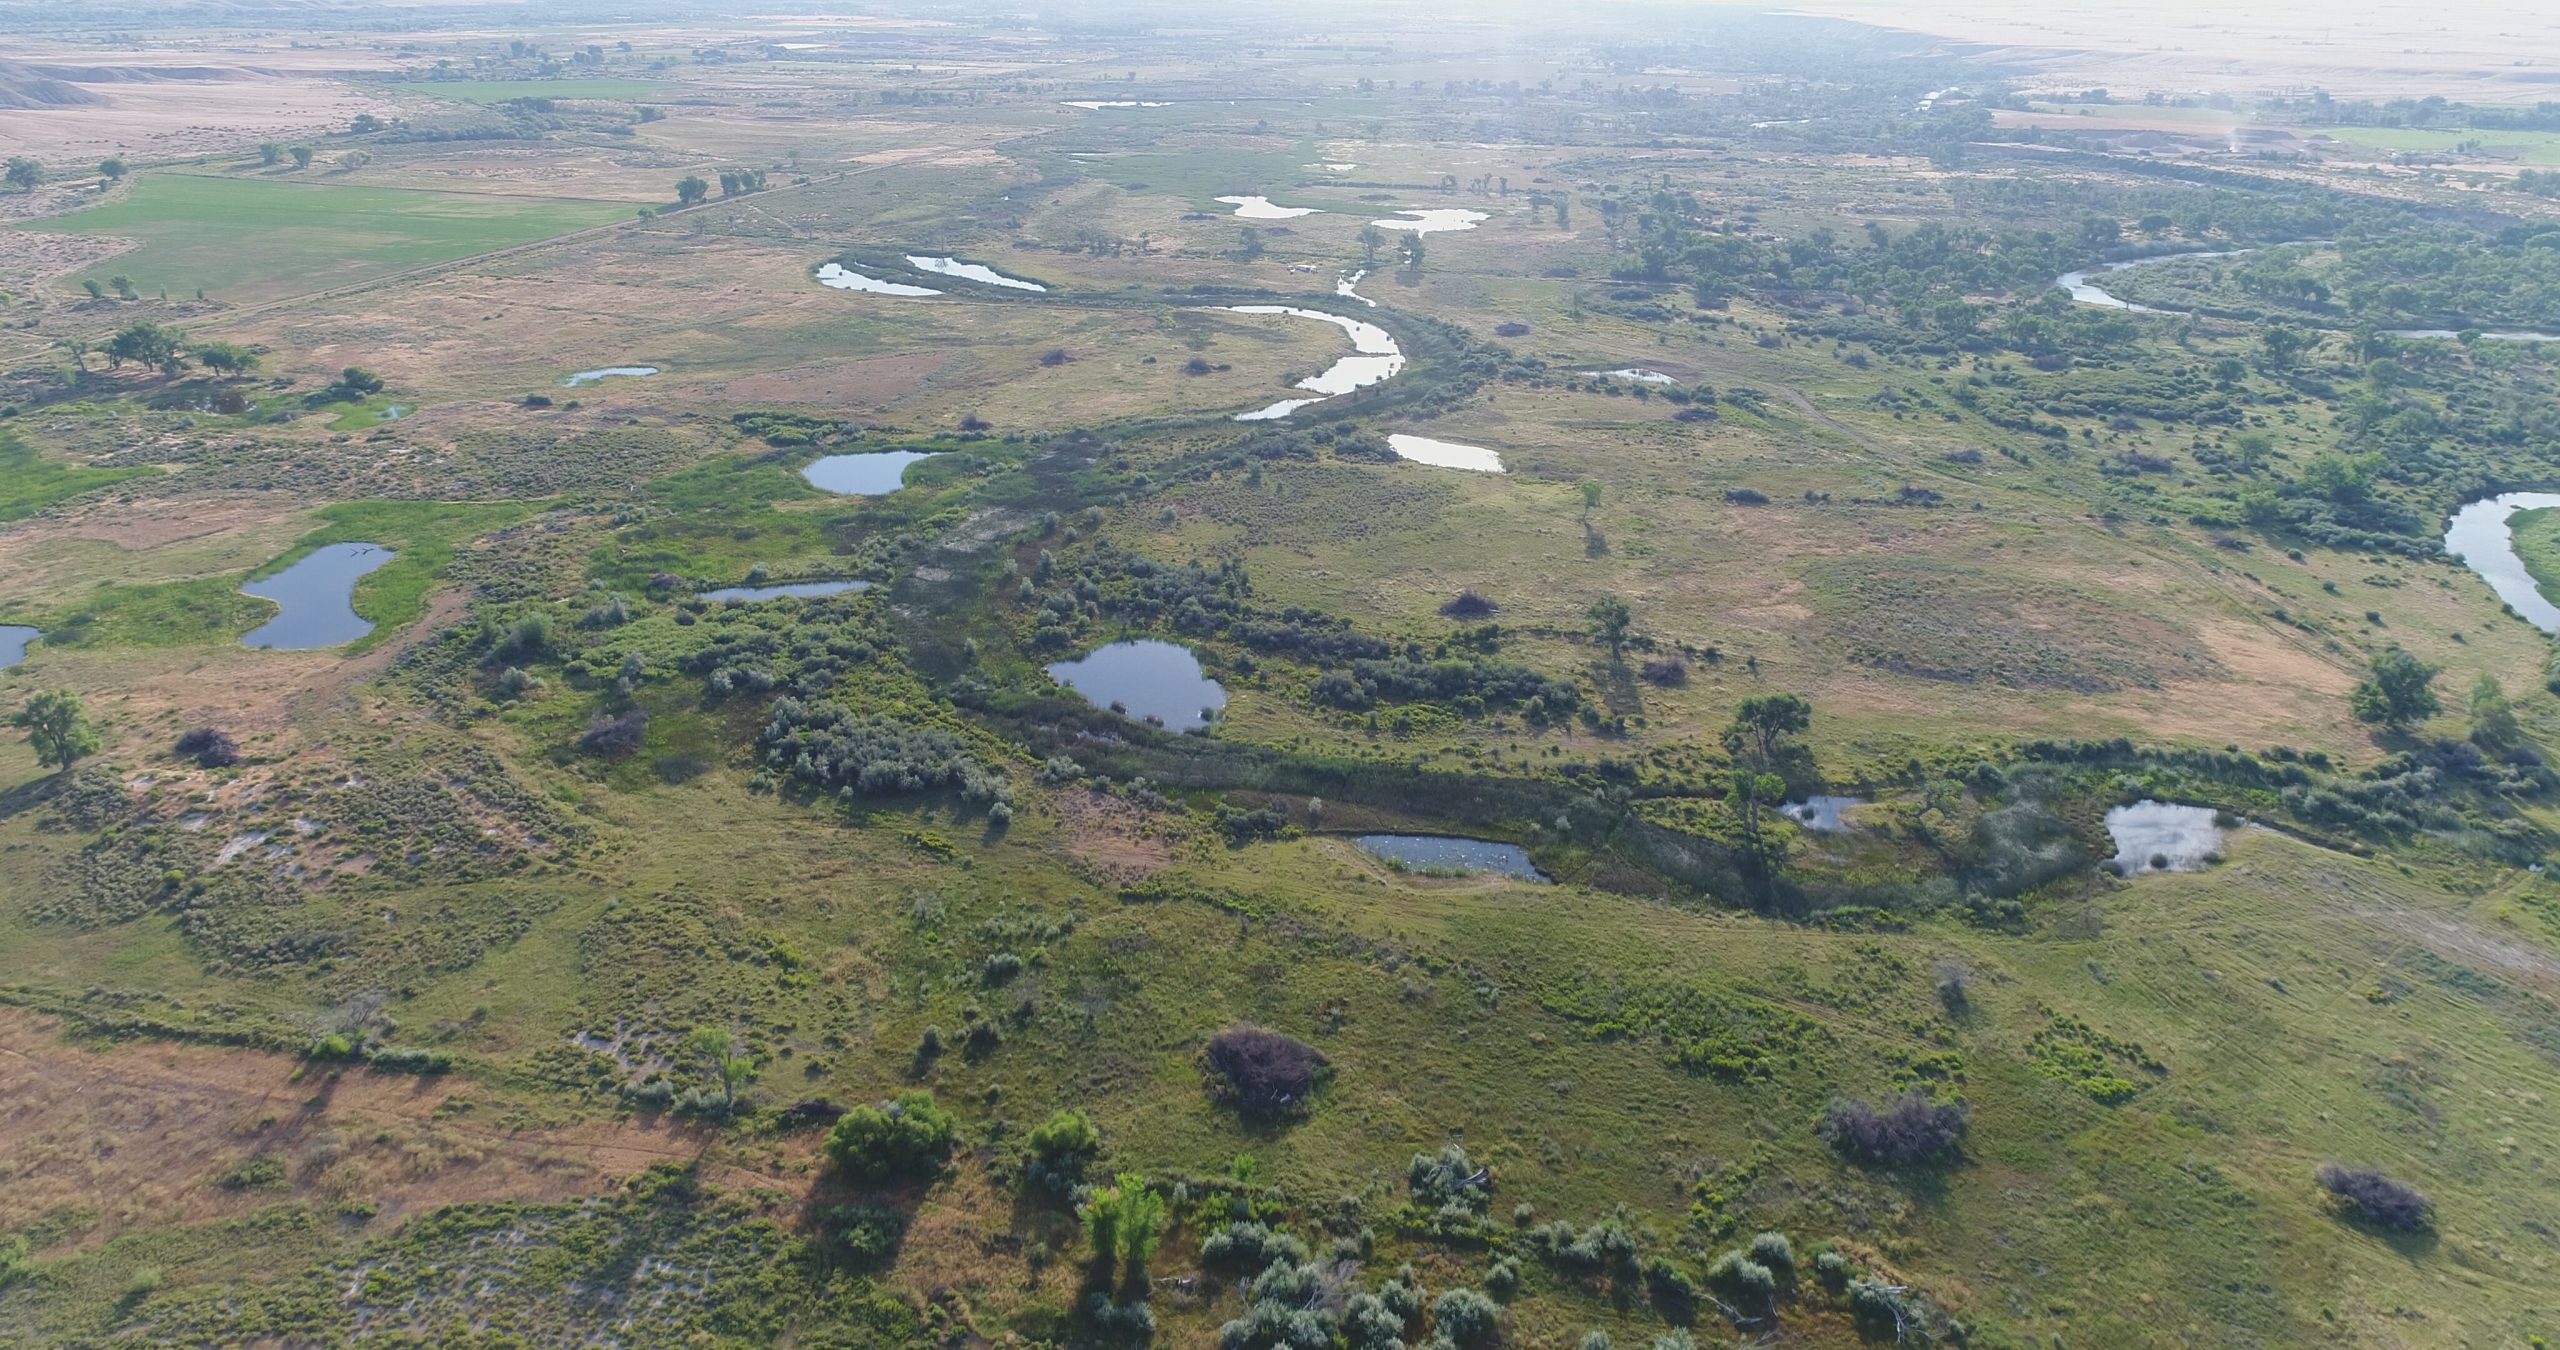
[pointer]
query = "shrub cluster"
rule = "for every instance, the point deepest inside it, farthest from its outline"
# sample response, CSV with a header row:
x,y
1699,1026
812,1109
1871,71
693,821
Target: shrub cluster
x,y
1263,1072
209,748
1908,1131
910,1137
829,746
2376,1198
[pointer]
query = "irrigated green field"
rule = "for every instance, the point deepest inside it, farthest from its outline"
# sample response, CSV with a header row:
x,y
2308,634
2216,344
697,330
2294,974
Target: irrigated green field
x,y
245,239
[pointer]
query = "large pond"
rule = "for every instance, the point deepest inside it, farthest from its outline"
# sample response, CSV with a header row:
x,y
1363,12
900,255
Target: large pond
x,y
13,643
874,474
2478,535
582,377
2163,837
1379,359
1440,221
1263,208
1443,853
843,278
1445,454
317,599
969,271
785,590
1146,679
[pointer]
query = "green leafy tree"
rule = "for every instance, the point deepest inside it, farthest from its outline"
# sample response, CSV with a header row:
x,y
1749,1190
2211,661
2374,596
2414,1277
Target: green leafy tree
x,y
1123,1225
365,124
729,1069
2493,719
1762,725
57,726
111,169
24,173
228,358
271,154
691,190
1371,240
97,289
301,156
145,343
1610,619
123,286
2398,692
1412,248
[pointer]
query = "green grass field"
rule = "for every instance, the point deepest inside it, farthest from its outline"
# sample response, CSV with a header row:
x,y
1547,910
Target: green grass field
x,y
29,482
243,239
2528,147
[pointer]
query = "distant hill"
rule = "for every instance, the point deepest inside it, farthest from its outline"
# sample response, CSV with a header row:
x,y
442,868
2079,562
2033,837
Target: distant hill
x,y
25,87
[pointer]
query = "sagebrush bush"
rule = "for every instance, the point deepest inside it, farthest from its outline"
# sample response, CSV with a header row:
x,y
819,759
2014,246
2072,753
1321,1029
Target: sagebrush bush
x,y
1467,1317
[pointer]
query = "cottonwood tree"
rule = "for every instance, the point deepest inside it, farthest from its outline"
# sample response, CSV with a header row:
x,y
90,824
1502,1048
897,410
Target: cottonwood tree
x,y
691,190
111,169
1610,619
1762,725
57,726
2398,693
24,173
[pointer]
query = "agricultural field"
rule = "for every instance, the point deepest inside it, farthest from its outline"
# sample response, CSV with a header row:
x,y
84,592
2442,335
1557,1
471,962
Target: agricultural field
x,y
1537,680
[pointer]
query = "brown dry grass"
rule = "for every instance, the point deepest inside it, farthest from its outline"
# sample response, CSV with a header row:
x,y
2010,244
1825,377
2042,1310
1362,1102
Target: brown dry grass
x,y
141,1135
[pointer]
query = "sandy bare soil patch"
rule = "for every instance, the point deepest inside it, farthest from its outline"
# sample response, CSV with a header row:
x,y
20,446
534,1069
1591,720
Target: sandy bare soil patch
x,y
34,262
1112,841
147,1134
176,117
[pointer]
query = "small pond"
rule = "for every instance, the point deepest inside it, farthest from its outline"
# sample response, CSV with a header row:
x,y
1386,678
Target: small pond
x,y
2163,837
874,474
1636,373
1145,679
1445,454
2478,536
609,372
1439,221
842,278
1379,359
2445,334
317,599
13,643
1263,208
1444,853
785,590
1819,812
967,271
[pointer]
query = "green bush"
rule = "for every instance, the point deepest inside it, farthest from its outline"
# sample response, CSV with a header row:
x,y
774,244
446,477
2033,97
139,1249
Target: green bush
x,y
1060,1149
1467,1317
911,1137
866,1233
